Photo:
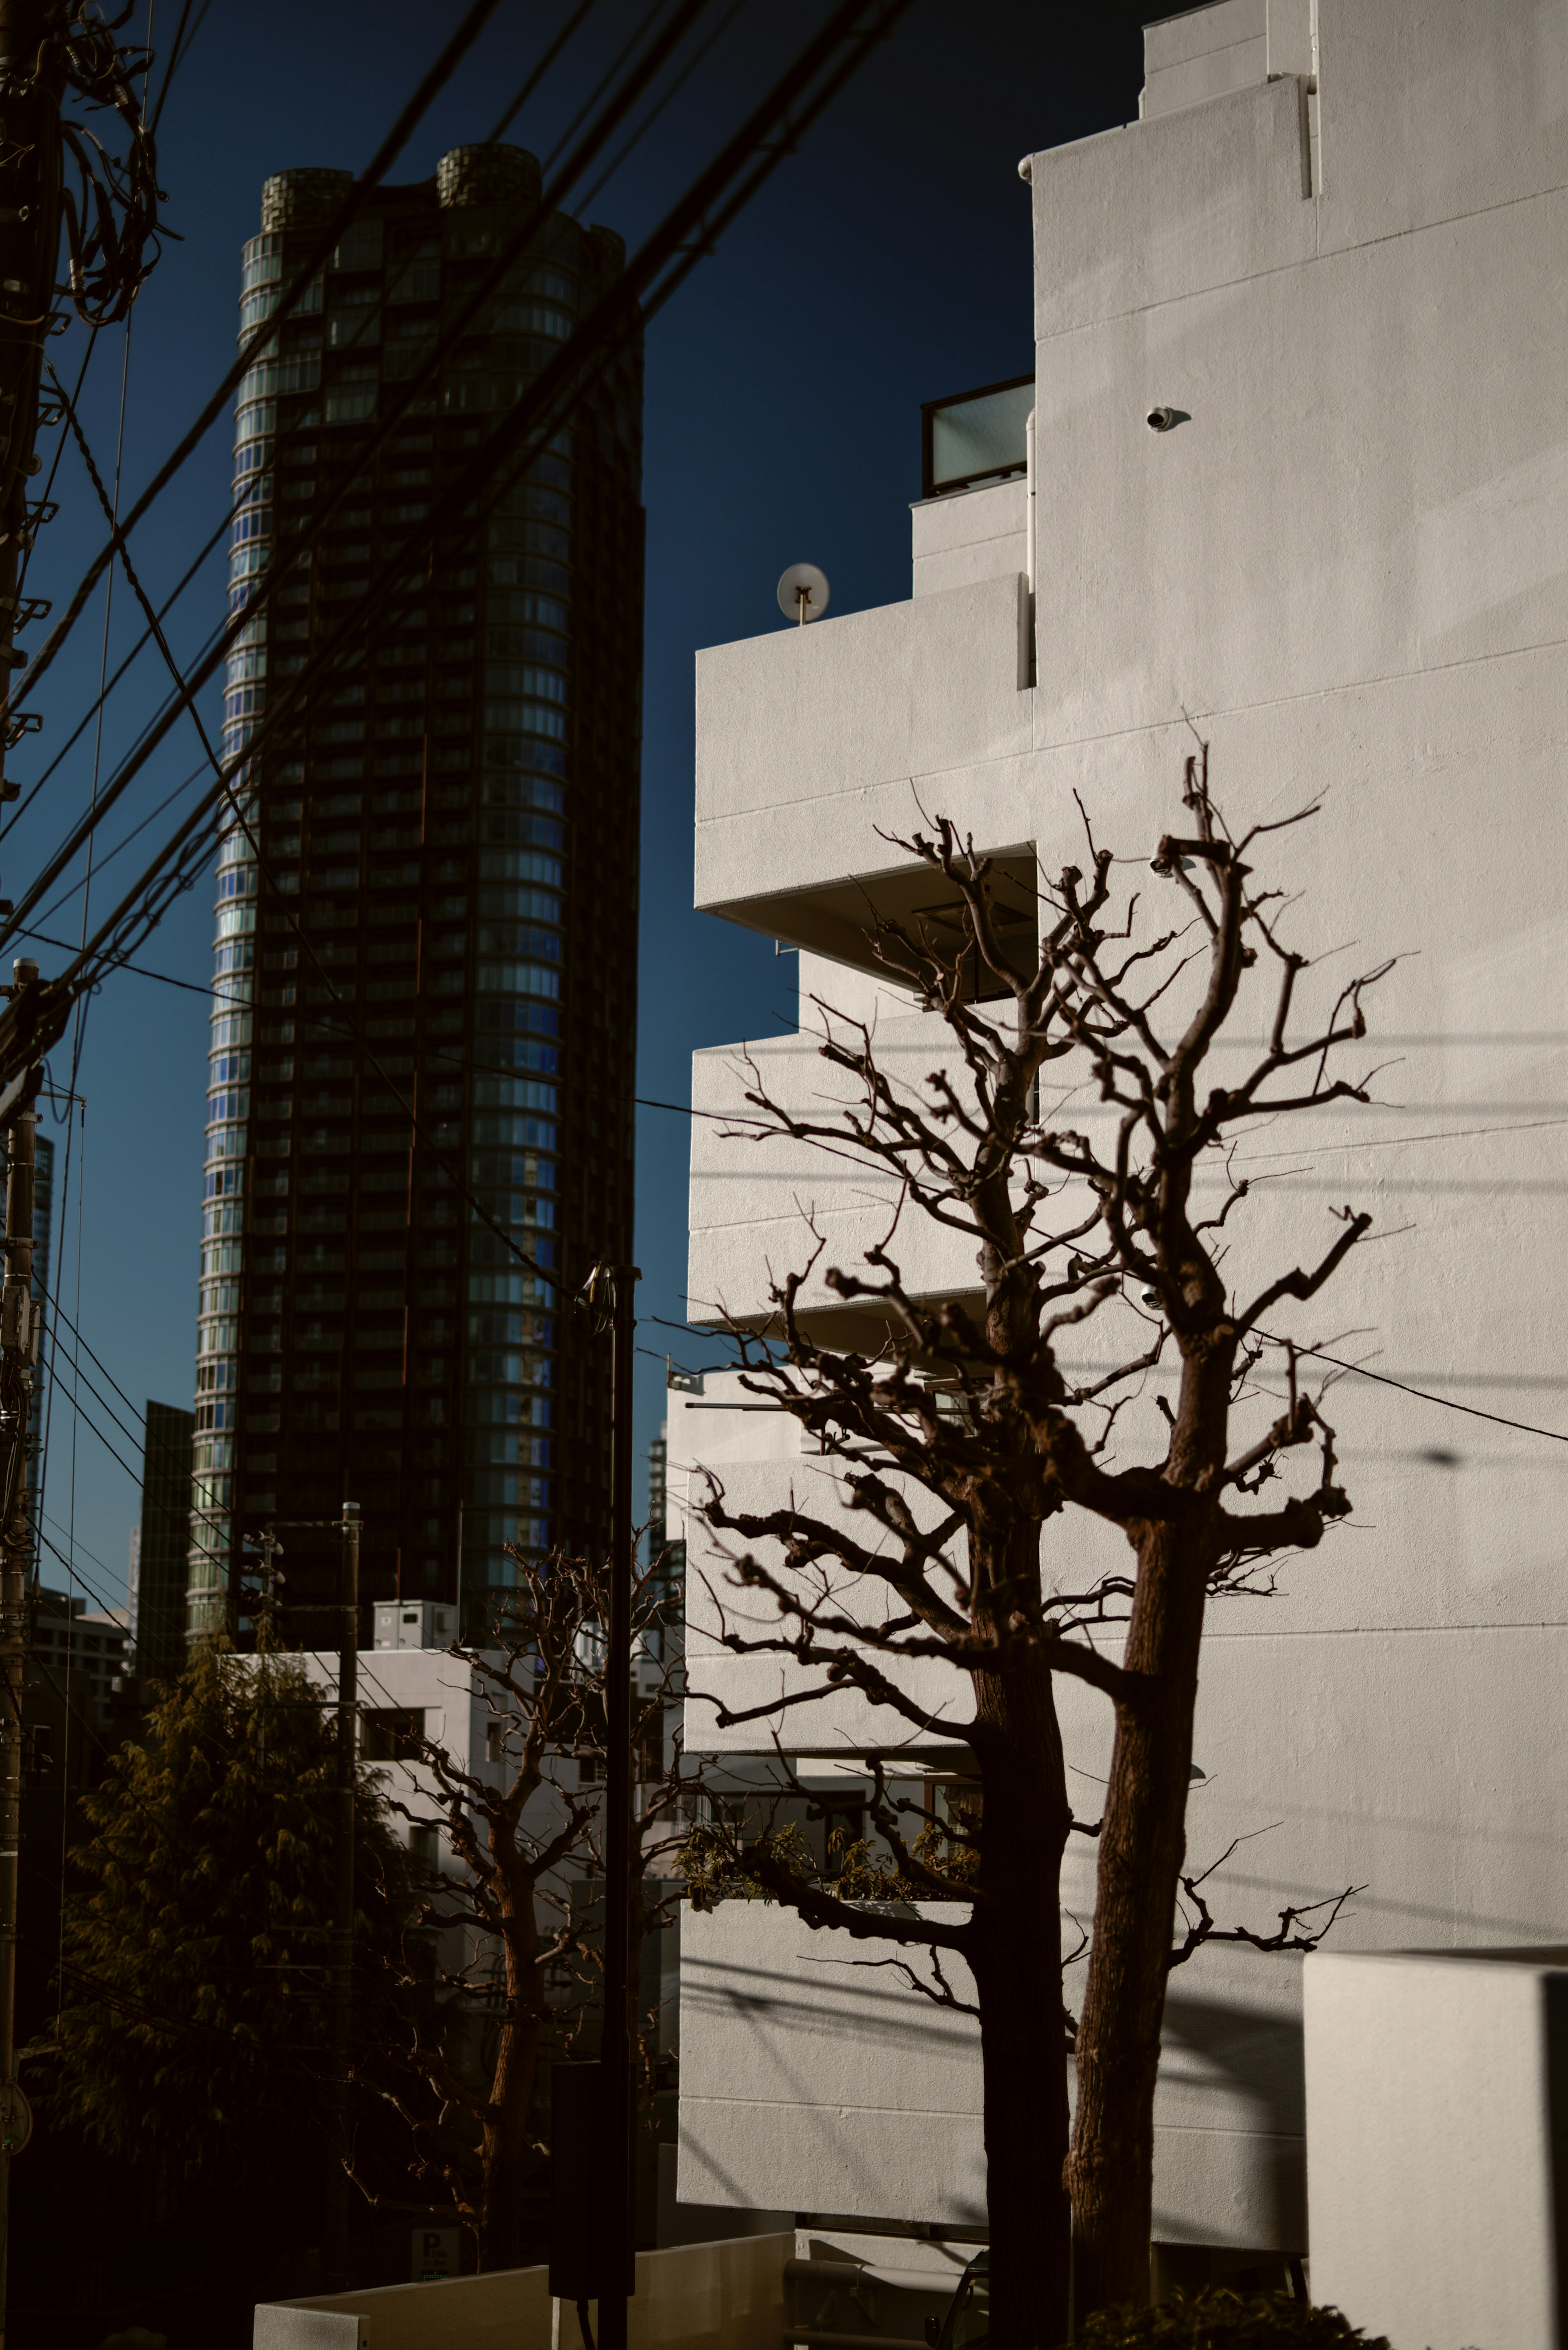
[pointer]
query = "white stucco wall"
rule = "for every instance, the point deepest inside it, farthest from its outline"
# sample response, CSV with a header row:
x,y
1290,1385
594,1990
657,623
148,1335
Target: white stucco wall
x,y
1434,2099
1347,564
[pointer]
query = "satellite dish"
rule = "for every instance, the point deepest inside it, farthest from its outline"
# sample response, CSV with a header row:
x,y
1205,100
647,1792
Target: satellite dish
x,y
803,593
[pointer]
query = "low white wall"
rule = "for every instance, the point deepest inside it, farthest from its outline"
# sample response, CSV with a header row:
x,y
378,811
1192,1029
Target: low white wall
x,y
815,2079
1436,2094
723,2296
814,2082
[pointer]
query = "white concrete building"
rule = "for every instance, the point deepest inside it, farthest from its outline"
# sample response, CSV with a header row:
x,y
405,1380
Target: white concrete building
x,y
409,1688
1333,249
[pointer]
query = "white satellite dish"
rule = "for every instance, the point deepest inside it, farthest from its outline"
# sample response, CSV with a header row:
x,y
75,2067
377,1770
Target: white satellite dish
x,y
803,593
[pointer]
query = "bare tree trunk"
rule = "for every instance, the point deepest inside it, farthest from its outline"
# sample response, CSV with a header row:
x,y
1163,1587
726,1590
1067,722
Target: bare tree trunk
x,y
1015,1953
508,2154
1143,1843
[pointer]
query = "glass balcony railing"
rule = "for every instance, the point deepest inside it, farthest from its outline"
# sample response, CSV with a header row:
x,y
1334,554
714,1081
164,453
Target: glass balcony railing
x,y
974,436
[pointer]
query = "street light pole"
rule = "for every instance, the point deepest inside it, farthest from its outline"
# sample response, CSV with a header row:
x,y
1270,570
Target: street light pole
x,y
615,2046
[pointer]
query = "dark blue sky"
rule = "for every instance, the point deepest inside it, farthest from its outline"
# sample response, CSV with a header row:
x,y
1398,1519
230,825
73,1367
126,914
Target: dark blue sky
x,y
885,264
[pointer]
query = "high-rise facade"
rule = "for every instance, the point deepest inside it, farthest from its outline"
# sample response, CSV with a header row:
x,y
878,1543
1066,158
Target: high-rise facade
x,y
162,1544
422,1058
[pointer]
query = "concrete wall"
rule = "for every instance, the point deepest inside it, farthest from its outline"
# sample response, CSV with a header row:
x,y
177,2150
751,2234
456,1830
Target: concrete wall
x,y
1347,564
1437,2122
723,2296
970,534
813,2073
836,2081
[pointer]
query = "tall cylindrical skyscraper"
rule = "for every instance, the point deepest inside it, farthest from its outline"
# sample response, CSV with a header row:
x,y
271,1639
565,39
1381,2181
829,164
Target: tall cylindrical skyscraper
x,y
443,915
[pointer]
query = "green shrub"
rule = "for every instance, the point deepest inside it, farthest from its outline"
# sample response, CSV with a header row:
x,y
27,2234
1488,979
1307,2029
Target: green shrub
x,y
1221,2320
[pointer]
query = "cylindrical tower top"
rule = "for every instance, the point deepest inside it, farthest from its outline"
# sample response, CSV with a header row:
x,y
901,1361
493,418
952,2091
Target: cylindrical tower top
x,y
487,175
302,199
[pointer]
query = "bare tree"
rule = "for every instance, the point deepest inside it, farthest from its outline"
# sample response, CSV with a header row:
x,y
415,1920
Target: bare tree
x,y
970,1435
522,1908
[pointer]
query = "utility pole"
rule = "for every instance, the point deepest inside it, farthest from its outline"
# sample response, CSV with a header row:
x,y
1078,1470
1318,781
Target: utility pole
x,y
18,1345
343,1901
30,83
615,2044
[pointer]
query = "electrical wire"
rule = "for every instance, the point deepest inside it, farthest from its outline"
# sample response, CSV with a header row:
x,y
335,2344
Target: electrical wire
x,y
191,986
109,1375
140,645
113,507
434,80
75,1419
242,820
347,212
55,467
672,89
640,34
532,80
132,1435
109,855
177,55
414,543
530,84
691,220
687,235
651,63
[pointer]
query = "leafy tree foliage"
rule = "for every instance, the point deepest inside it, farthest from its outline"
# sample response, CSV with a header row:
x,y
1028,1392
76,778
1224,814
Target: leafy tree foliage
x,y
1222,2320
193,2027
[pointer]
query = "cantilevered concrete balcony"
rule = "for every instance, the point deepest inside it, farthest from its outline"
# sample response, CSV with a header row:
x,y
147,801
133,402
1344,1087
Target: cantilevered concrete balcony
x,y
809,740
756,1198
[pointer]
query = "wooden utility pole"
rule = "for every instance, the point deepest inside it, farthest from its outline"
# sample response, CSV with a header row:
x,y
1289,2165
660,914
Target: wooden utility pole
x,y
343,1899
19,1330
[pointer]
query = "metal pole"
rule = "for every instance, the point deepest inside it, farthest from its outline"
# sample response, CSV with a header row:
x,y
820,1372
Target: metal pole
x,y
343,1901
615,2047
17,1330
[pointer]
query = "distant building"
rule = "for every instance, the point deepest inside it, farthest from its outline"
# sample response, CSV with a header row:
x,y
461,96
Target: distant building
x,y
161,1542
447,881
93,1643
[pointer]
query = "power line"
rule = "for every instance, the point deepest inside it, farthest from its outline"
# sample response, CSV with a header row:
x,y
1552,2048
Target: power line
x,y
457,46
103,1366
687,233
532,81
1473,1412
177,55
132,656
673,250
133,1435
109,855
285,303
672,89
416,543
